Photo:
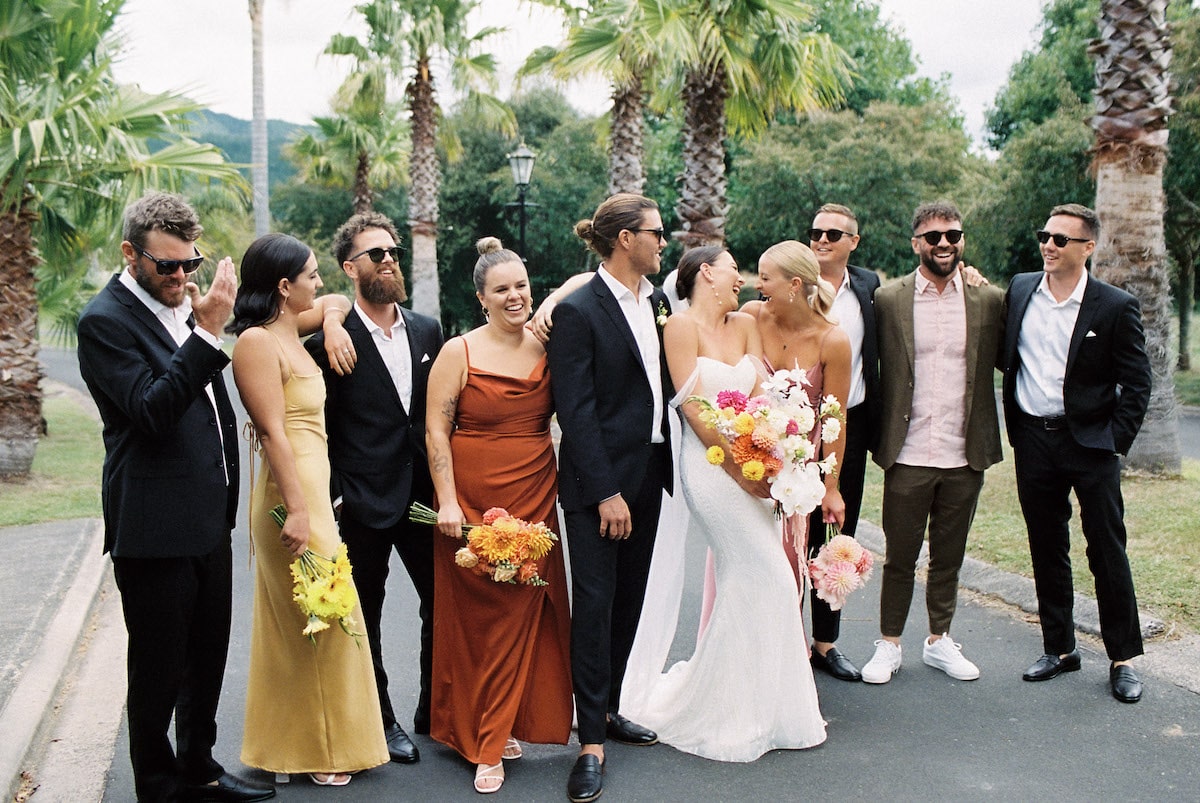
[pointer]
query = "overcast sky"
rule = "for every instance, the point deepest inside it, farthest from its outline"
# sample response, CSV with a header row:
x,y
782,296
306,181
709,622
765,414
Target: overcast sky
x,y
203,49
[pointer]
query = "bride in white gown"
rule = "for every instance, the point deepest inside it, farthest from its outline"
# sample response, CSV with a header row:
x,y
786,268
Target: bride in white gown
x,y
748,687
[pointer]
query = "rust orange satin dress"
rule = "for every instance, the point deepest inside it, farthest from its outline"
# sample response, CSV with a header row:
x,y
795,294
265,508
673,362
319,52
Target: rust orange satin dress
x,y
501,652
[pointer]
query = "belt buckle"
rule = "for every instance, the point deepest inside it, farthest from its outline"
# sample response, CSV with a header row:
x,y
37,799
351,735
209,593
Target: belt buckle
x,y
1054,424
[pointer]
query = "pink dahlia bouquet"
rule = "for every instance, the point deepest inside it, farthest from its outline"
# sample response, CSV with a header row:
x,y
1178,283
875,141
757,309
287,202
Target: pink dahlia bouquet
x,y
768,436
841,567
503,547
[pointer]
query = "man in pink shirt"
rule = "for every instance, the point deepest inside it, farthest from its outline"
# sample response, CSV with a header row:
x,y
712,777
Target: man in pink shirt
x,y
938,343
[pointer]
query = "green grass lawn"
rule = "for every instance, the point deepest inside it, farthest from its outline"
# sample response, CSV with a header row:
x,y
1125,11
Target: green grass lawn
x,y
1159,514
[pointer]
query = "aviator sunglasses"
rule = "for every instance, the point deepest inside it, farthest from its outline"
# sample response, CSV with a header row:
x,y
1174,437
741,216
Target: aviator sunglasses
x,y
832,235
376,255
1060,240
166,267
935,237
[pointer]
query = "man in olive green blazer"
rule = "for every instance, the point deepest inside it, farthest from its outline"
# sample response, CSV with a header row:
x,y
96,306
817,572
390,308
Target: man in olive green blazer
x,y
938,346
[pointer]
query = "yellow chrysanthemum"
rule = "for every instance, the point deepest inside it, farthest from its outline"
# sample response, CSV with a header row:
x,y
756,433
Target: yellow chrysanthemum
x,y
540,542
743,424
753,470
715,455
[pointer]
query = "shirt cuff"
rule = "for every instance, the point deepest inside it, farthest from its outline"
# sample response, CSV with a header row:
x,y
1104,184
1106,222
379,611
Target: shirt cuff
x,y
208,337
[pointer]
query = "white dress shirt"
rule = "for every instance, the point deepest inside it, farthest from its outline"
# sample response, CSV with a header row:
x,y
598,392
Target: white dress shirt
x,y
1042,344
640,315
394,349
848,313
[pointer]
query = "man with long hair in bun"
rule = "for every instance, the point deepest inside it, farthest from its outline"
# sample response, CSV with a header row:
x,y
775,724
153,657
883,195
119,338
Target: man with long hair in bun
x,y
608,375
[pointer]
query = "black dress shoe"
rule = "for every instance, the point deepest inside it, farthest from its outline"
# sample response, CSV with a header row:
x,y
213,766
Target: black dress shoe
x,y
1126,686
1051,666
836,664
586,781
620,729
230,788
400,747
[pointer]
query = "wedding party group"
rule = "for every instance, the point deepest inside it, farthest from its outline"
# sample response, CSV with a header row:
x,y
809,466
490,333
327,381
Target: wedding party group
x,y
685,415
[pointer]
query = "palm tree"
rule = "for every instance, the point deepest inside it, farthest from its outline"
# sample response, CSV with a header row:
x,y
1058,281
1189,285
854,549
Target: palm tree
x,y
403,40
744,62
72,155
1132,104
259,156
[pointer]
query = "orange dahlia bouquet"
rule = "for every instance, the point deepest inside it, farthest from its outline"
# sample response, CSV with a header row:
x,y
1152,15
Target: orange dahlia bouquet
x,y
503,547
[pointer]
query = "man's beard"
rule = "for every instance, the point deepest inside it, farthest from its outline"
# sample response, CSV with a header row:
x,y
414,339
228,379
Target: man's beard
x,y
380,290
157,292
938,269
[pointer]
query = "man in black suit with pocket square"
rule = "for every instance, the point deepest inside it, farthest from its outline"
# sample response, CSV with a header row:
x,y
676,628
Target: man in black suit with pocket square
x,y
1076,387
149,351
607,373
375,420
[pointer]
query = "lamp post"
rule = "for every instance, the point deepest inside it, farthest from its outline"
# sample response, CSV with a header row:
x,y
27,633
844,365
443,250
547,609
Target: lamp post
x,y
521,161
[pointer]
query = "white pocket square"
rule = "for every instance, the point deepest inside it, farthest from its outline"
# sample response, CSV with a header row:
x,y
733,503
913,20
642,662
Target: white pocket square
x,y
1090,333
425,357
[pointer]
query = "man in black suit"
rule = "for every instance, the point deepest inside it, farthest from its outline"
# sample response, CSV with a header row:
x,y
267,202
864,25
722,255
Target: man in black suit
x,y
833,236
1076,387
375,419
150,353
607,373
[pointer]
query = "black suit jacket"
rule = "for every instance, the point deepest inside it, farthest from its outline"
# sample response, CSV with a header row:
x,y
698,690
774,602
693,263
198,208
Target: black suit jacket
x,y
1107,385
603,399
864,283
377,456
164,487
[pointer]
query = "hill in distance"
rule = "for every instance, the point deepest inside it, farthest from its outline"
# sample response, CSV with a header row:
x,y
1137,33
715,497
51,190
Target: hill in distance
x,y
232,136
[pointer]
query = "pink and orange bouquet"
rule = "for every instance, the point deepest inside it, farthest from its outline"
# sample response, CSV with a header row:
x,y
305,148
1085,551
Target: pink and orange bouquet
x,y
841,567
503,547
768,436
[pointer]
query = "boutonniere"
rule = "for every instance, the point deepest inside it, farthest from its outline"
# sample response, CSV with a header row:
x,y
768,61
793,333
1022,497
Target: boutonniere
x,y
661,320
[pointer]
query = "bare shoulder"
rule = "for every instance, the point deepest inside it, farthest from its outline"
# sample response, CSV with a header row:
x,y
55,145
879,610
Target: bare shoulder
x,y
752,308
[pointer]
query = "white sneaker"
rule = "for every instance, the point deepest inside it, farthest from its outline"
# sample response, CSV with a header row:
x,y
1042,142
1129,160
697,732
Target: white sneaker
x,y
883,664
947,656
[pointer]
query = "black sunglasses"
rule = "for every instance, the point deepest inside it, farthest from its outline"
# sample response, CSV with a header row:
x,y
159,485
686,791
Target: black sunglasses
x,y
166,267
935,237
658,233
376,255
1059,239
832,235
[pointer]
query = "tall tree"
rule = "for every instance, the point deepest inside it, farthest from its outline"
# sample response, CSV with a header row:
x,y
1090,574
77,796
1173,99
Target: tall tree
x,y
743,62
258,133
1132,104
404,38
72,151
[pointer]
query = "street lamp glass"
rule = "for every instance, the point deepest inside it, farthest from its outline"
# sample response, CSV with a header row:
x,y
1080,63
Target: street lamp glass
x,y
521,162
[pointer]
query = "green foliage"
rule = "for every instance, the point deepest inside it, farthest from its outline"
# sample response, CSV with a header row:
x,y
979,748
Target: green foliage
x,y
882,165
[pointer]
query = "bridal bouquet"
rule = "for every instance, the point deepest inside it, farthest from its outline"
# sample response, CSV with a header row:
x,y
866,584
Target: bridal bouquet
x,y
841,567
503,547
322,587
768,436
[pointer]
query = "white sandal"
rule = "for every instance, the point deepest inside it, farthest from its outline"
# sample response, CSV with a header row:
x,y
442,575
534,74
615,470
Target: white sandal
x,y
512,750
485,776
329,778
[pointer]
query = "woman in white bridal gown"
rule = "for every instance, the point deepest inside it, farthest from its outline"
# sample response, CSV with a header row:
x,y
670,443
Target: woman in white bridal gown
x,y
748,687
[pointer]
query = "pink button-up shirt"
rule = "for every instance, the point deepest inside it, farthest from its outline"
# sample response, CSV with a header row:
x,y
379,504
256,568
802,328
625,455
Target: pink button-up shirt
x,y
937,431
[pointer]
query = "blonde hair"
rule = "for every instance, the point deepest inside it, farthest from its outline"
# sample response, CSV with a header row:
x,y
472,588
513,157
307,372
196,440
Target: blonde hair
x,y
796,260
491,253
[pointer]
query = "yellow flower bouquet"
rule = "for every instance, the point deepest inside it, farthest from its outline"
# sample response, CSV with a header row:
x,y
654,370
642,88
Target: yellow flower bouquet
x,y
503,547
322,588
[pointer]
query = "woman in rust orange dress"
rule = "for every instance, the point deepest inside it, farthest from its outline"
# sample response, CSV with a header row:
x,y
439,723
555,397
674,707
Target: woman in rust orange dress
x,y
501,660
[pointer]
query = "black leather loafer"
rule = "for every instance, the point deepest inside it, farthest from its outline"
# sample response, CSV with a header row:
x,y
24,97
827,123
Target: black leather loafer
x,y
586,780
232,789
400,747
1126,685
836,664
621,730
1051,666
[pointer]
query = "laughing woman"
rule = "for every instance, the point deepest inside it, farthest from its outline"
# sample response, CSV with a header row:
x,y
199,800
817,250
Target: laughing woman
x,y
501,667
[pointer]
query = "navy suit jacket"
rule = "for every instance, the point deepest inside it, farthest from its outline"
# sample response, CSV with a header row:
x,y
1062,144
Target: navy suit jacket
x,y
164,489
1107,386
377,457
864,283
603,399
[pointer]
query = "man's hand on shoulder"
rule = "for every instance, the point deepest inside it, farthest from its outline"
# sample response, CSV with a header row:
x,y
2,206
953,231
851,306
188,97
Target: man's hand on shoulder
x,y
213,309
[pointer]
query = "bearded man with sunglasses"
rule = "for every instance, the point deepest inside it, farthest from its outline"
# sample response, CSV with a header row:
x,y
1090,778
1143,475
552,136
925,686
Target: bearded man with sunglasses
x,y
375,421
150,354
1076,387
939,340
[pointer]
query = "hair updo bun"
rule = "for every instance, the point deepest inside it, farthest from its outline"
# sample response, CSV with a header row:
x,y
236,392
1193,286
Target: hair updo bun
x,y
488,245
491,253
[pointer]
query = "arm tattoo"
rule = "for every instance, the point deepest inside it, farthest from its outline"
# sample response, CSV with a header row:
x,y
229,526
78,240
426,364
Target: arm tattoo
x,y
450,408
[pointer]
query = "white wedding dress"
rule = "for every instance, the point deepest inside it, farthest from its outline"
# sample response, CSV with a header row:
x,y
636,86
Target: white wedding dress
x,y
748,687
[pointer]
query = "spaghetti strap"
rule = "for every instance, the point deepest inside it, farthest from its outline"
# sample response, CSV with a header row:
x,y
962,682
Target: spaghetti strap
x,y
466,352
283,354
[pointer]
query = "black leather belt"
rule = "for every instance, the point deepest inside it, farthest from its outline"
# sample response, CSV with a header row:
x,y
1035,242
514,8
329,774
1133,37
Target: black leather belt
x,y
1050,424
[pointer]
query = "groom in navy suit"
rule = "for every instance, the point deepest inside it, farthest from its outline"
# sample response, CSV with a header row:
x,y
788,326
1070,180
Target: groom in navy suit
x,y
1076,387
608,374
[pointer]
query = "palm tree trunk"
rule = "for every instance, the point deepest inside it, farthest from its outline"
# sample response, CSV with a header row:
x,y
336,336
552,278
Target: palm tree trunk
x,y
702,207
425,178
258,139
626,172
363,197
1132,104
20,372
